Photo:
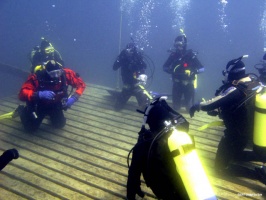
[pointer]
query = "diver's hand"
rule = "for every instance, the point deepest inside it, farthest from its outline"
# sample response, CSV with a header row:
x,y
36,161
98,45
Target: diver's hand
x,y
193,109
142,130
201,70
46,95
70,101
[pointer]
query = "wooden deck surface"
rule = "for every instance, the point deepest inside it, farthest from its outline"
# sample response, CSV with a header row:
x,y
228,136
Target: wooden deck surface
x,y
87,159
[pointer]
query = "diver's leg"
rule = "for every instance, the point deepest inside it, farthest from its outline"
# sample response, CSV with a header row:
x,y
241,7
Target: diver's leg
x,y
57,118
188,94
229,148
30,119
122,98
223,154
176,93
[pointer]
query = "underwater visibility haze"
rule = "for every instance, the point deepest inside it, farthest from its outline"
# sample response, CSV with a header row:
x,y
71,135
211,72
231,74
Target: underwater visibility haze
x,y
90,34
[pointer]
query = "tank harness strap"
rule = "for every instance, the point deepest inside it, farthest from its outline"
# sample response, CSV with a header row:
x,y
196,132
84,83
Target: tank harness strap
x,y
241,86
145,92
260,110
176,67
249,90
186,148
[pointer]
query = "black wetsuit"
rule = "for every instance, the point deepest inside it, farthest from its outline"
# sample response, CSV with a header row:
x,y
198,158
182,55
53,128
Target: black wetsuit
x,y
158,168
235,103
183,65
132,65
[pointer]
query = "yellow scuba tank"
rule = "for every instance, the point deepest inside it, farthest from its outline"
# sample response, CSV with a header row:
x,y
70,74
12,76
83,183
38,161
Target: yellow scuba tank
x,y
259,131
189,167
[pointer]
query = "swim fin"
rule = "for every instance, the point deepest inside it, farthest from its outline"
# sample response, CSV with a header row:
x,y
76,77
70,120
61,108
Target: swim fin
x,y
114,93
18,111
212,124
7,115
13,114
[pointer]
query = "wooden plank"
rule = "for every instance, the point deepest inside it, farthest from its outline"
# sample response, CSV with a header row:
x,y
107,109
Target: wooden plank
x,y
87,159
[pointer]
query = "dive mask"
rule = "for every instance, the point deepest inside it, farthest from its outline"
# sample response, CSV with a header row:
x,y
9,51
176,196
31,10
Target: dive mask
x,y
179,45
49,50
55,73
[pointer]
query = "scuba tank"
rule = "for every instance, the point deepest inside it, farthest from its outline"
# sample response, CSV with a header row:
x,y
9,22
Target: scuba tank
x,y
259,130
181,147
189,167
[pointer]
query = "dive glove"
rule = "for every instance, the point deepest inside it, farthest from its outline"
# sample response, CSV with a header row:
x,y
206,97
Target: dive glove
x,y
71,101
46,95
201,70
193,109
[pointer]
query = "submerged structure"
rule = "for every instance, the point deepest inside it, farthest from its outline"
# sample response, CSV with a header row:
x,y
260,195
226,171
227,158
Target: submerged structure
x,y
87,159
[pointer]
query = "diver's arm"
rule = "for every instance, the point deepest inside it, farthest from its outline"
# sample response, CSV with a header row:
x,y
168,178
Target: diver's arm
x,y
28,91
142,66
119,60
36,59
75,81
228,97
116,64
198,67
168,63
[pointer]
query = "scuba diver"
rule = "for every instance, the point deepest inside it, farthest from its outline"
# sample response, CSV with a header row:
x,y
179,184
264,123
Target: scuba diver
x,y
133,66
166,157
43,53
7,157
234,104
184,66
46,93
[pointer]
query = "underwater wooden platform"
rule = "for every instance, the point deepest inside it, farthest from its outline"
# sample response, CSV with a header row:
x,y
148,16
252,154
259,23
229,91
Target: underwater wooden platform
x,y
87,159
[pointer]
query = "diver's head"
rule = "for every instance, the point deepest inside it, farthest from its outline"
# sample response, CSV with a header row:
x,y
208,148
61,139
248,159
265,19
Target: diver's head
x,y
158,112
46,47
261,67
180,42
131,48
53,69
235,70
